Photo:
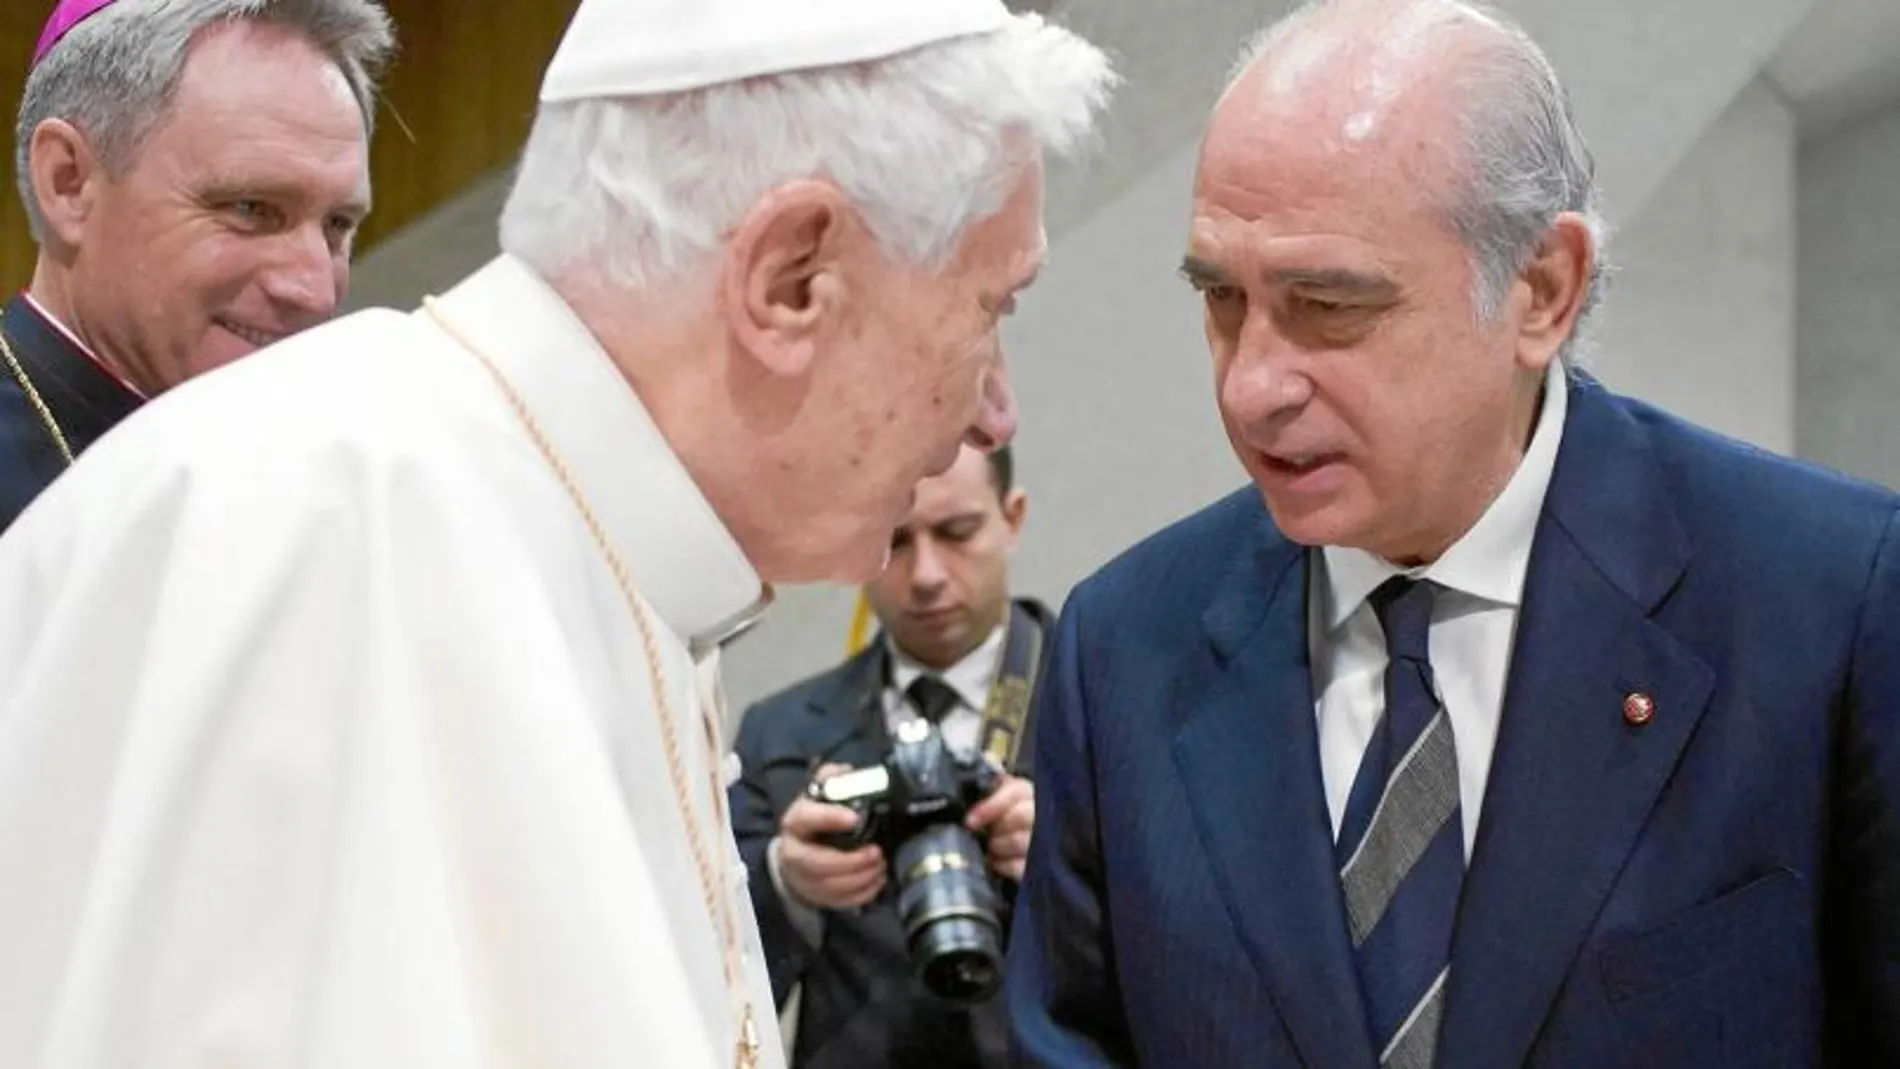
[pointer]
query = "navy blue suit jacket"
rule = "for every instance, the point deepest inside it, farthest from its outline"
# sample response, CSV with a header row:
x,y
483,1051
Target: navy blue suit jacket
x,y
1719,887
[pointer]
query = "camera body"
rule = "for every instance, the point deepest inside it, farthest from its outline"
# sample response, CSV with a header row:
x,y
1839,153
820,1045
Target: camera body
x,y
920,784
913,806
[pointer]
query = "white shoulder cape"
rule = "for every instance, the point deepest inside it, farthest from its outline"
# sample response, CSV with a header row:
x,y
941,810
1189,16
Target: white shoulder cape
x,y
325,736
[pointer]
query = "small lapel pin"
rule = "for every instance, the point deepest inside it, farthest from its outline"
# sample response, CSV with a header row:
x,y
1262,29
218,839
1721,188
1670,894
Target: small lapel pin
x,y
1638,709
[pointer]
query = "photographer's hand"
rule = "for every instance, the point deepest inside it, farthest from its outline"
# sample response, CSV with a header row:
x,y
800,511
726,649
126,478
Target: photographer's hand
x,y
817,874
1008,815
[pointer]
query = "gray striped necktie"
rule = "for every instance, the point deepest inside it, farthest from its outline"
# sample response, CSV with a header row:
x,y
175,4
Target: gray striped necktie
x,y
1401,844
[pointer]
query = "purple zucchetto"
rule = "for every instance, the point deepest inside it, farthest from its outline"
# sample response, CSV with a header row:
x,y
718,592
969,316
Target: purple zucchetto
x,y
66,15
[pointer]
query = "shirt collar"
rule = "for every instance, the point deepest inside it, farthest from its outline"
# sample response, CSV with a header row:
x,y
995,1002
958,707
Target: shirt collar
x,y
684,560
970,677
79,346
1489,562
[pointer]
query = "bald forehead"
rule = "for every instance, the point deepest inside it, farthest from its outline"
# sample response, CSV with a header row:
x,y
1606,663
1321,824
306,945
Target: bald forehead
x,y
1357,72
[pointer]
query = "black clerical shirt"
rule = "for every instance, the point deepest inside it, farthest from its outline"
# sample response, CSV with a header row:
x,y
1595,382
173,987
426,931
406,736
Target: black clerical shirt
x,y
86,401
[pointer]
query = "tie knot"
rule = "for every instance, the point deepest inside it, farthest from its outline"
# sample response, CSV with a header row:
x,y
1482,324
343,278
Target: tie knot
x,y
933,697
1404,608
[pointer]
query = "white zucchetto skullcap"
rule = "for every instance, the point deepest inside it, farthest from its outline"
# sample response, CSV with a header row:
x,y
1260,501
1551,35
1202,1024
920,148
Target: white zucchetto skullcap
x,y
637,47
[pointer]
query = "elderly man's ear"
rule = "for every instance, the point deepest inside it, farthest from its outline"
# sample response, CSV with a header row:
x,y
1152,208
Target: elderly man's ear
x,y
1557,280
63,168
786,273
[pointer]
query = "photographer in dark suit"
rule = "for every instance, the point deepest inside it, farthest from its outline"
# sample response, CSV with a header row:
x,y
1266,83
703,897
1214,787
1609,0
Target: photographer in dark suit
x,y
955,652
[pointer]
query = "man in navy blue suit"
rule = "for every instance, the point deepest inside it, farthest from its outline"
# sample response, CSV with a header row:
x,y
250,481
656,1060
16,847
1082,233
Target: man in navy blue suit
x,y
1503,721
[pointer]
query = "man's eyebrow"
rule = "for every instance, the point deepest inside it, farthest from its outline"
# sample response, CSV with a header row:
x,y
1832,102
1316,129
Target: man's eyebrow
x,y
956,519
1201,273
1328,279
1335,280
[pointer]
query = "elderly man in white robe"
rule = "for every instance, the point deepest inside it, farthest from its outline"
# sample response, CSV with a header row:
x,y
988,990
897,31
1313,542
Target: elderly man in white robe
x,y
359,702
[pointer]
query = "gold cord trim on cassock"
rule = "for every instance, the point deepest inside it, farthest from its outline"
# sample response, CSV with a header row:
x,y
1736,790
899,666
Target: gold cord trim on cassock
x,y
33,397
746,1045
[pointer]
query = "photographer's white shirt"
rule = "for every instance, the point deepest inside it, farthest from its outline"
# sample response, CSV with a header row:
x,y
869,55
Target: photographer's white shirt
x,y
971,678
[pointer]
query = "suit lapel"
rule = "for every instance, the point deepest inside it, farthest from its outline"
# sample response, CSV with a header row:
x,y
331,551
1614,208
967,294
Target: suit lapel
x,y
1248,753
1572,783
848,715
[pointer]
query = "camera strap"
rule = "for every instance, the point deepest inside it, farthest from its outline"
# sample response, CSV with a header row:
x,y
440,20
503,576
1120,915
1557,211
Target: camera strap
x,y
1007,711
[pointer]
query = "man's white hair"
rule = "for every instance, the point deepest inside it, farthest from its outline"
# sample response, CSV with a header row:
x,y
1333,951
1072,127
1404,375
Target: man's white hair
x,y
639,190
1523,158
114,75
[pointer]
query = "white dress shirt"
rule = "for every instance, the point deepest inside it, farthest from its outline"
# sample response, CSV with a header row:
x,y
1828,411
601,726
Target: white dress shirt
x,y
971,678
1474,627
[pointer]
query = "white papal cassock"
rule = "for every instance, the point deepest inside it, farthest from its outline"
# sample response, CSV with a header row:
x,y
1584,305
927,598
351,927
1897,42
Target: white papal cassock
x,y
327,737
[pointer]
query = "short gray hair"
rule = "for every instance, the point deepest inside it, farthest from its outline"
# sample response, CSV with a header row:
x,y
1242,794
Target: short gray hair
x,y
1525,161
640,189
114,75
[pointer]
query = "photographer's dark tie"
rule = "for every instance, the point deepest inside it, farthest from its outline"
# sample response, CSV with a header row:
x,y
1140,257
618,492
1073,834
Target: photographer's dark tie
x,y
932,698
1401,842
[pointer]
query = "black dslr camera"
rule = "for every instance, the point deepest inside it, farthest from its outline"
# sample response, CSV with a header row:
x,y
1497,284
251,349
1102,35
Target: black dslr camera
x,y
913,806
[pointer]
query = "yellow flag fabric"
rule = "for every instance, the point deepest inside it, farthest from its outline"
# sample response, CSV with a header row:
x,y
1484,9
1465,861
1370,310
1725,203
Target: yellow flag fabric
x,y
860,632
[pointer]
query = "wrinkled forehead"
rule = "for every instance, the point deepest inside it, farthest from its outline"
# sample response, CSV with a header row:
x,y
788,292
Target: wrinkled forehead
x,y
1296,161
261,116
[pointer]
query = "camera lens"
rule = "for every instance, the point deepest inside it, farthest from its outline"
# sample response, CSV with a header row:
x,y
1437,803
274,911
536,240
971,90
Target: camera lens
x,y
949,914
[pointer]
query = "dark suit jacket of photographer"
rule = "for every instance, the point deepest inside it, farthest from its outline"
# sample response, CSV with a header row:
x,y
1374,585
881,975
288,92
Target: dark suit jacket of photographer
x,y
860,1007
